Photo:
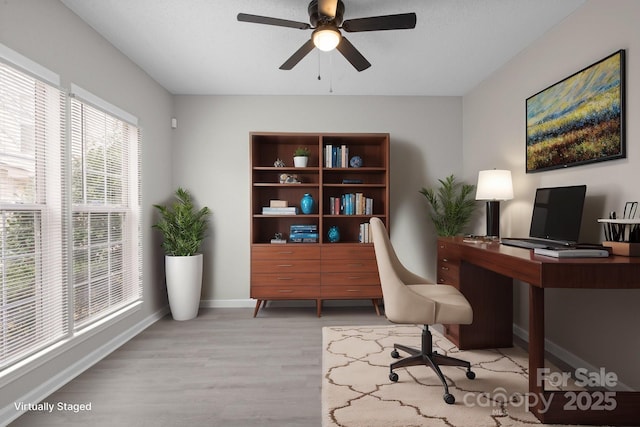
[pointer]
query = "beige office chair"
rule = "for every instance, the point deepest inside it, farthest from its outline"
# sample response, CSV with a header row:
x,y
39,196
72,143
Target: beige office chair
x,y
411,299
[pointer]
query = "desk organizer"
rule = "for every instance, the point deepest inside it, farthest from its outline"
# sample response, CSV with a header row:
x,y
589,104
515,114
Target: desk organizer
x,y
625,228
623,248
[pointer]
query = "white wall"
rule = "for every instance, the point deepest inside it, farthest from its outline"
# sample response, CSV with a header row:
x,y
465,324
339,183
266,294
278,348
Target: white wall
x,y
211,158
51,35
595,325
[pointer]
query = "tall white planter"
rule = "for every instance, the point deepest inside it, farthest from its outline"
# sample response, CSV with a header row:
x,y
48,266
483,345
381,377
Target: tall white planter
x,y
184,285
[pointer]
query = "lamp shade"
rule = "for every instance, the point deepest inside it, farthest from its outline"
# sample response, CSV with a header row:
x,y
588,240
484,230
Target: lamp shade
x,y
326,38
494,184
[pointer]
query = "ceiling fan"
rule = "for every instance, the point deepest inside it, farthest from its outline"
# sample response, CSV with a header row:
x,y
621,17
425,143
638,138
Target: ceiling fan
x,y
325,17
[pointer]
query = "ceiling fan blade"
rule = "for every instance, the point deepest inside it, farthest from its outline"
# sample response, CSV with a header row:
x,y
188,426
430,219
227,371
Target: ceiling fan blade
x,y
327,8
257,19
403,21
298,55
352,55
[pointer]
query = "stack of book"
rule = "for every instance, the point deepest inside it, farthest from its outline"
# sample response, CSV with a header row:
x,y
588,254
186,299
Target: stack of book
x,y
303,233
336,156
279,207
351,204
572,252
364,236
292,210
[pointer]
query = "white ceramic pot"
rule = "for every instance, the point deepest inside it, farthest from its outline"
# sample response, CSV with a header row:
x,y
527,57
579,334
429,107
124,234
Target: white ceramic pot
x,y
184,285
300,161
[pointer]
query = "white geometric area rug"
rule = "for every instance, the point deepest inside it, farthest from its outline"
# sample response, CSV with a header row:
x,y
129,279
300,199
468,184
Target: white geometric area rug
x,y
357,392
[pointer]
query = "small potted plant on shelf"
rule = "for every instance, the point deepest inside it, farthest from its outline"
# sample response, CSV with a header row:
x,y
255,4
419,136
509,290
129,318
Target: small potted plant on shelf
x,y
183,229
451,206
301,157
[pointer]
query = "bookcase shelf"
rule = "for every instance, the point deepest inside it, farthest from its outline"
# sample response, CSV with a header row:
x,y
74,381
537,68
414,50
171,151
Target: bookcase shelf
x,y
310,274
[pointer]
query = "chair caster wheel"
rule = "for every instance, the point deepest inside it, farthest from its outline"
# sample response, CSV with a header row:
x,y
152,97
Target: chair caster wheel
x,y
449,398
471,375
393,377
395,354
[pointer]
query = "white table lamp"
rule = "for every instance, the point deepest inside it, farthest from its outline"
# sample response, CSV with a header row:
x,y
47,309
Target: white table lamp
x,y
493,186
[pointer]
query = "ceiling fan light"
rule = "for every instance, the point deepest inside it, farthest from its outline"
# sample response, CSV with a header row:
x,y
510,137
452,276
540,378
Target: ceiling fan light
x,y
326,38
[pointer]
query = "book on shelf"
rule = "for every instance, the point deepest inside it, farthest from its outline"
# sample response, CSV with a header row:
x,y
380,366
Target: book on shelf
x,y
352,181
336,156
303,239
364,236
351,204
291,210
278,241
278,204
303,233
572,252
303,228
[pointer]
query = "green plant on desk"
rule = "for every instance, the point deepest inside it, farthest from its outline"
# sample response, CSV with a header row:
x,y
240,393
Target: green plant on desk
x,y
452,206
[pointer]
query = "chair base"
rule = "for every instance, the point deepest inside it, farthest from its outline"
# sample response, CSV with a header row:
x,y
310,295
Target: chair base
x,y
426,356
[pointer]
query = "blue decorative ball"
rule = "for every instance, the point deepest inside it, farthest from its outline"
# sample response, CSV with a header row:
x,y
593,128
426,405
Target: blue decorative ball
x,y
355,162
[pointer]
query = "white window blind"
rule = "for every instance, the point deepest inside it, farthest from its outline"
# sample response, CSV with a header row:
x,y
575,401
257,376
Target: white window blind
x,y
105,212
33,256
70,233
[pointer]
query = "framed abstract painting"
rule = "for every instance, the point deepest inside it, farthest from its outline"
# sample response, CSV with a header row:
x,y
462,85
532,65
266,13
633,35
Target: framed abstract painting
x,y
580,119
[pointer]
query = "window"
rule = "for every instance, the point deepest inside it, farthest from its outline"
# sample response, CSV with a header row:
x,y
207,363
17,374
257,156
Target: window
x,y
34,299
70,234
105,212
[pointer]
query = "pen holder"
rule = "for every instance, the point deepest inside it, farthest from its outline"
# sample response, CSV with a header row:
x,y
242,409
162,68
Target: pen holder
x,y
622,236
623,248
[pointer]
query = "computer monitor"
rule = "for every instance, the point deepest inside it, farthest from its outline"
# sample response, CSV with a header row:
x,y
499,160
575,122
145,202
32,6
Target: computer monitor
x,y
557,213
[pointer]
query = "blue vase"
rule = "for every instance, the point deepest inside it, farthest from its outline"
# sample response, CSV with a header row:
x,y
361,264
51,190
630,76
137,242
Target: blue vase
x,y
307,204
333,234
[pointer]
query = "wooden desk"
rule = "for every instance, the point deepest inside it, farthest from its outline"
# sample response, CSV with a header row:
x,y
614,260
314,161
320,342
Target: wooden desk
x,y
484,273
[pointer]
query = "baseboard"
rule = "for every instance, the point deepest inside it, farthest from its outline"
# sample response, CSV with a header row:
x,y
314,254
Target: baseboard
x,y
564,357
227,303
9,413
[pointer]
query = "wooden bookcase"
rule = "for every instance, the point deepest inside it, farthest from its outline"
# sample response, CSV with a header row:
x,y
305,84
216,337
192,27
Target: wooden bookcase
x,y
320,270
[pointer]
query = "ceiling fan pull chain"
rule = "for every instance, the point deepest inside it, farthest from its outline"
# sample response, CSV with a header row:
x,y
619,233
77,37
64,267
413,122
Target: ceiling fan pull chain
x,y
331,73
319,64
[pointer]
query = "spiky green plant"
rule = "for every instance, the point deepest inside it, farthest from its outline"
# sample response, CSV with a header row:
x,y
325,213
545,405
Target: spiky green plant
x,y
182,227
302,151
452,206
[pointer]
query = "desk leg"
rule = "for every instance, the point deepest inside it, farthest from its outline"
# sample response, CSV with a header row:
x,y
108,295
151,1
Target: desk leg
x,y
536,341
561,406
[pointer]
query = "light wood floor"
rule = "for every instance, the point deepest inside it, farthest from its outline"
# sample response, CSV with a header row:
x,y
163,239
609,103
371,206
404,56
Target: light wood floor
x,y
224,368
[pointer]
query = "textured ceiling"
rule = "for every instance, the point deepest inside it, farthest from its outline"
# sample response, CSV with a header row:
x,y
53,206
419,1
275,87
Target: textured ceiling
x,y
198,46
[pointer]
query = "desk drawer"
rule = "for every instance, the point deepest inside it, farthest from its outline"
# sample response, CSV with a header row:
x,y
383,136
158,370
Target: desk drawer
x,y
448,272
448,263
450,249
